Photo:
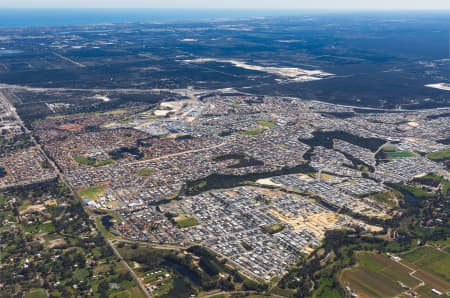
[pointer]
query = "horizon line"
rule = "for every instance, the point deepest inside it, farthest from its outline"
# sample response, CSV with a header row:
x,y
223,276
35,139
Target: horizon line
x,y
245,8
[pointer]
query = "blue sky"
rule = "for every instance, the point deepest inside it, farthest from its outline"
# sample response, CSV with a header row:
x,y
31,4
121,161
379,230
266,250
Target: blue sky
x,y
259,4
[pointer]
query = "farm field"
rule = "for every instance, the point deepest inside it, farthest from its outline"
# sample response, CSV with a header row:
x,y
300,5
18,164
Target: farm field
x,y
432,266
421,269
377,276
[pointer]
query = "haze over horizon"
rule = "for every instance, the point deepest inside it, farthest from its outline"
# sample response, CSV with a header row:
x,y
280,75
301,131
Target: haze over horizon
x,y
236,4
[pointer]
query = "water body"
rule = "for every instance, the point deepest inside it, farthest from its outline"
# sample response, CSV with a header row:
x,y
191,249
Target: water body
x,y
106,221
9,52
67,17
24,17
2,172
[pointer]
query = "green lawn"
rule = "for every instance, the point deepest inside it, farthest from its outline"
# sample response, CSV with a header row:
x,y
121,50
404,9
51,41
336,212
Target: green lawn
x,y
389,198
36,228
254,131
445,187
134,292
92,193
388,148
24,205
325,290
283,292
433,179
441,242
81,274
363,168
145,172
399,154
102,229
268,124
247,246
417,192
92,161
84,160
36,293
273,229
441,155
185,222
431,260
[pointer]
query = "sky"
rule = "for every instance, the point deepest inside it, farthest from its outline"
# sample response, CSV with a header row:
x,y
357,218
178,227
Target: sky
x,y
215,4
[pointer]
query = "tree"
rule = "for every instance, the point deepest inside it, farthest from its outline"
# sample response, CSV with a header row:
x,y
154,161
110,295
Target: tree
x,y
103,287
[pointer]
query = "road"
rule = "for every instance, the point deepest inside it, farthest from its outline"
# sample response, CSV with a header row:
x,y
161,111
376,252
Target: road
x,y
148,293
70,60
74,193
175,154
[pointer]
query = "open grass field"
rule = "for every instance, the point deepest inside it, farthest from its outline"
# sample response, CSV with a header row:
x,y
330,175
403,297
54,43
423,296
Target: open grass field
x,y
80,274
432,265
92,193
91,162
36,293
442,243
430,259
377,276
388,148
415,191
283,292
219,296
445,187
103,229
133,292
433,179
389,198
329,293
274,228
254,131
185,222
249,296
40,228
24,205
399,154
265,123
441,155
145,172
326,177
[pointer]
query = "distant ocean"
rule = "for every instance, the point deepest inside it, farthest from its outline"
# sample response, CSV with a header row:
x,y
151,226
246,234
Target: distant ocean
x,y
62,17
13,17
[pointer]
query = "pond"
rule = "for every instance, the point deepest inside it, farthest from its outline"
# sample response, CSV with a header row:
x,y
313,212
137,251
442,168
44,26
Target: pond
x,y
106,221
2,172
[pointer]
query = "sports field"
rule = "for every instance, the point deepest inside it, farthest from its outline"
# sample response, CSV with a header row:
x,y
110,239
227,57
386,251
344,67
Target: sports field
x,y
91,193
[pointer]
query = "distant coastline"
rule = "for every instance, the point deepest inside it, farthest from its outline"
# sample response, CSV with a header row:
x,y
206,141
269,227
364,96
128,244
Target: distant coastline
x,y
31,17
71,17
